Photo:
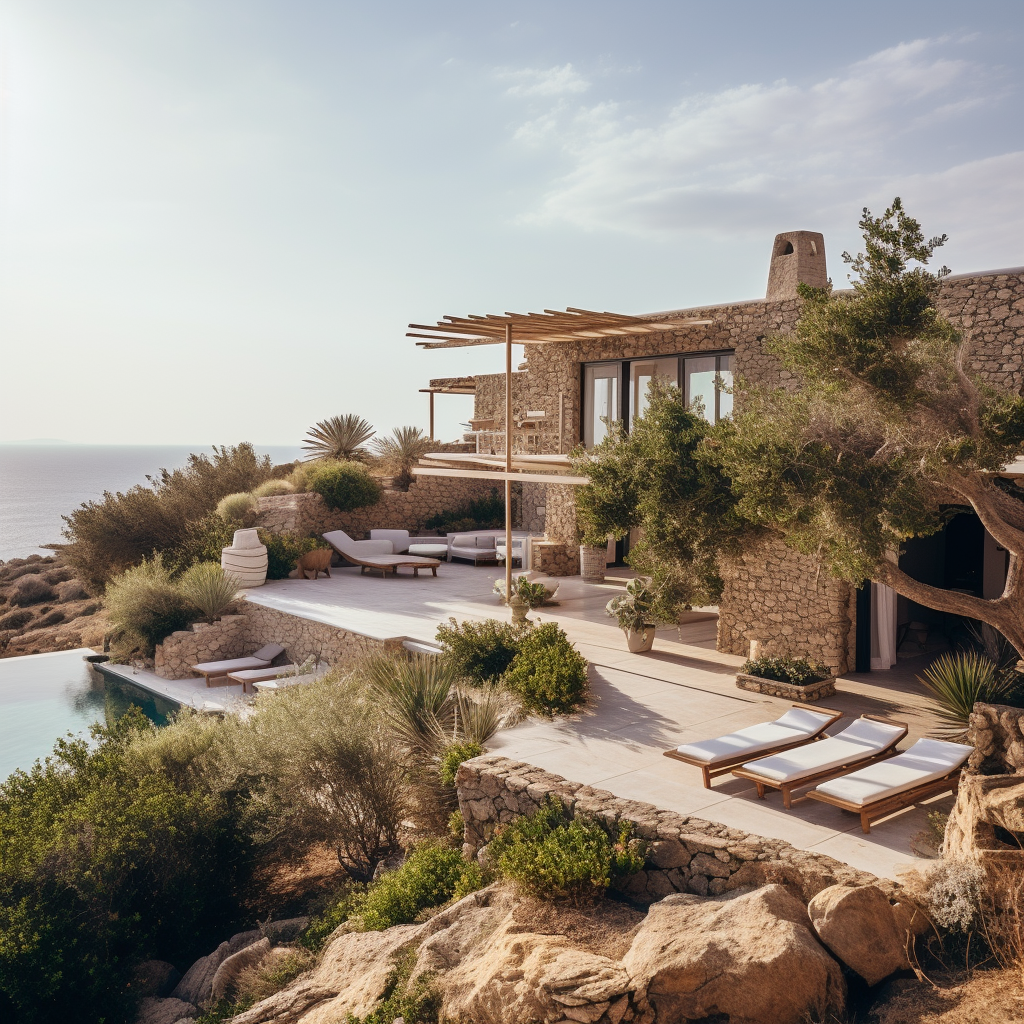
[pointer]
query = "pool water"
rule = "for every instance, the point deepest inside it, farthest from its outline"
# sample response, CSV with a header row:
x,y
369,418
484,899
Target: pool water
x,y
45,696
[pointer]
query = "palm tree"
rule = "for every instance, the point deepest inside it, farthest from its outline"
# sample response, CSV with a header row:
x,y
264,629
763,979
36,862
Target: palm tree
x,y
340,437
401,450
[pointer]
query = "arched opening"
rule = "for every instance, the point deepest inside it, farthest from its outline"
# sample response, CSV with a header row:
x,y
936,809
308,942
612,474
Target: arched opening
x,y
787,249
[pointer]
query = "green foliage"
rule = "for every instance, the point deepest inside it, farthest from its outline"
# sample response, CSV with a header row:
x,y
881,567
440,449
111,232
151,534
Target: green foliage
x,y
344,486
112,534
534,595
416,1002
454,754
486,513
548,674
340,438
283,551
273,488
210,535
637,608
145,603
433,874
238,509
209,588
456,825
402,450
958,681
334,913
481,651
103,863
559,857
797,671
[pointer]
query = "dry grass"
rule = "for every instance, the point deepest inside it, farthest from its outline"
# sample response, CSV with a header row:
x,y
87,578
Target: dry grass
x,y
984,997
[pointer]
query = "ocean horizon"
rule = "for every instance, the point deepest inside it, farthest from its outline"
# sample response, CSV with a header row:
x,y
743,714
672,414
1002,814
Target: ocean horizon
x,y
43,480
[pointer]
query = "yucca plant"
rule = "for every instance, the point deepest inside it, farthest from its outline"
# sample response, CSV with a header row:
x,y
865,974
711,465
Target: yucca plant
x,y
209,588
957,681
340,437
480,711
401,450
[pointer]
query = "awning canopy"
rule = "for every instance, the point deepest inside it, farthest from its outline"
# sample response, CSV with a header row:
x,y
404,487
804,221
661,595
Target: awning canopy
x,y
451,386
544,328
538,469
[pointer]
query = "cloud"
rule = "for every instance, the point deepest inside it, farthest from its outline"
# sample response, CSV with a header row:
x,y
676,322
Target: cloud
x,y
557,81
760,155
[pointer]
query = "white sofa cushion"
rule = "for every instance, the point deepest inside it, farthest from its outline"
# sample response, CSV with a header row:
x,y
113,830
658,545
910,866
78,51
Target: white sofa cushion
x,y
399,539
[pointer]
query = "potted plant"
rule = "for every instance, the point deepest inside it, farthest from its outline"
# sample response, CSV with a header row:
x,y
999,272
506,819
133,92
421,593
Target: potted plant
x,y
534,594
634,611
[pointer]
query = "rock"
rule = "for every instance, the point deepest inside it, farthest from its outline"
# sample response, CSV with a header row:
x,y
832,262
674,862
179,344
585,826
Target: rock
x,y
226,978
287,930
164,1011
752,957
982,803
196,986
156,978
859,926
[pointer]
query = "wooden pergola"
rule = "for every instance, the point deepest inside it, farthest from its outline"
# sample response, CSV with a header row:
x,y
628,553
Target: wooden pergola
x,y
447,386
550,327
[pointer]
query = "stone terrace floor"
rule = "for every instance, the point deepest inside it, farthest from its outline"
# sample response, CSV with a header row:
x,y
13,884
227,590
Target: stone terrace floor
x,y
642,703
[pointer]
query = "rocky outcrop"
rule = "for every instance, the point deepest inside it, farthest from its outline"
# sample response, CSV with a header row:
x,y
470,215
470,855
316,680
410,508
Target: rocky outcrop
x,y
987,821
156,978
223,985
165,1011
997,732
752,958
862,929
197,985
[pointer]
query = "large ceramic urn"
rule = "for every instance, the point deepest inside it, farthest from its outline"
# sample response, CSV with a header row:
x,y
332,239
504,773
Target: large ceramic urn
x,y
246,559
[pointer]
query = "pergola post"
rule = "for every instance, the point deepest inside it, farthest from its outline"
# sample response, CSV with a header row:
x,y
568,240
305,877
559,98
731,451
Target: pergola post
x,y
508,464
431,393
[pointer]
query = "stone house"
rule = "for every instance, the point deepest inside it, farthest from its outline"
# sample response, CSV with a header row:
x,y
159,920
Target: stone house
x,y
772,594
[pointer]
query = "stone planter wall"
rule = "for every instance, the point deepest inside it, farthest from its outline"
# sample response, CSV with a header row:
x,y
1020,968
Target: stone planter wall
x,y
997,732
217,641
685,854
774,688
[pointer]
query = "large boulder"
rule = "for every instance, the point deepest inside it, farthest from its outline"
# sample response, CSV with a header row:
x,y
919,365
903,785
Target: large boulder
x,y
225,980
164,1011
197,984
860,926
984,802
751,957
156,978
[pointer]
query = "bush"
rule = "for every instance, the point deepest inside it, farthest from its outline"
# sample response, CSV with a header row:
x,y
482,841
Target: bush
x,y
283,551
15,619
344,486
273,488
548,674
452,757
432,875
31,590
481,650
208,537
238,509
557,857
798,671
209,588
50,619
481,514
146,604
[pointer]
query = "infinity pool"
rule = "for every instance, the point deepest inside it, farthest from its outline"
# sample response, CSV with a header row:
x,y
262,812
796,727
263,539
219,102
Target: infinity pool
x,y
46,696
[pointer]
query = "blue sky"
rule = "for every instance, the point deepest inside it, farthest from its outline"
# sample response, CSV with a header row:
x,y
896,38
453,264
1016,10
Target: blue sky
x,y
217,217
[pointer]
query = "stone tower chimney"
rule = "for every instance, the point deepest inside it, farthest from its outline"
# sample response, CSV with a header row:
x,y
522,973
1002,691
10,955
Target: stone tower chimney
x,y
796,256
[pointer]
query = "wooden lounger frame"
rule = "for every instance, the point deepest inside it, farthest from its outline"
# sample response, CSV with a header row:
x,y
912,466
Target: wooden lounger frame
x,y
710,771
390,563
786,788
887,804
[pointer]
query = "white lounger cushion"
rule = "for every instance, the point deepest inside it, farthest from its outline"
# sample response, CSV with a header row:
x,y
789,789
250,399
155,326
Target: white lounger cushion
x,y
925,761
795,724
234,665
862,739
362,549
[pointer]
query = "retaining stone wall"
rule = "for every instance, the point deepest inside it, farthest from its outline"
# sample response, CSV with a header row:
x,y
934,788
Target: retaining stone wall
x,y
685,854
217,641
997,732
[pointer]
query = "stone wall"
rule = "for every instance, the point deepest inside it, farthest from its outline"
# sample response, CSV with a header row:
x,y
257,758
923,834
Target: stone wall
x,y
997,733
685,854
237,636
307,514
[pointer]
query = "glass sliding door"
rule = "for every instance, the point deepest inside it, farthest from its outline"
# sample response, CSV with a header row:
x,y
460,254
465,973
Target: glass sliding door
x,y
704,377
601,402
641,372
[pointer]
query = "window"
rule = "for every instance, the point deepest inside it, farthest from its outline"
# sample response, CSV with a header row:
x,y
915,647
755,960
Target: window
x,y
704,377
640,375
600,400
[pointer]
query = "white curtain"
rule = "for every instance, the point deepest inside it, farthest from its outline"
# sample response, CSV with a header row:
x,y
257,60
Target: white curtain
x,y
883,627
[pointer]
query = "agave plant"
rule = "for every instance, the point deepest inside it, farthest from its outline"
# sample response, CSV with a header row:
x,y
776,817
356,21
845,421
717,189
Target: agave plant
x,y
957,681
340,437
480,711
400,450
209,588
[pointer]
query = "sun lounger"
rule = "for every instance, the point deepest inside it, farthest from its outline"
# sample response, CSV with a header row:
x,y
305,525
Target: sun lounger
x,y
377,555
220,669
248,676
868,739
928,768
718,756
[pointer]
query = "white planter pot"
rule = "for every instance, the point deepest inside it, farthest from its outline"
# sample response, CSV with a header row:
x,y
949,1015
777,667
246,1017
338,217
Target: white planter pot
x,y
246,559
593,562
639,641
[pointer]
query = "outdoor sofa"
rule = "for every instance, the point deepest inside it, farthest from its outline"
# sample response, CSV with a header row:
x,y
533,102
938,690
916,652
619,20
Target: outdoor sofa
x,y
220,669
377,555
719,755
868,739
473,547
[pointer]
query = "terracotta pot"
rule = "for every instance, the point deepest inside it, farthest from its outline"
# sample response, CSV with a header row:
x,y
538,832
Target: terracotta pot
x,y
639,642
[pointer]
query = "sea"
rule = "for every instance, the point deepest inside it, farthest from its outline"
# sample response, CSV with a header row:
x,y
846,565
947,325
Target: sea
x,y
39,483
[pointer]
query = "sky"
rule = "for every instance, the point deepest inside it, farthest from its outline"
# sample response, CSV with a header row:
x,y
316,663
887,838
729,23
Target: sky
x,y
217,217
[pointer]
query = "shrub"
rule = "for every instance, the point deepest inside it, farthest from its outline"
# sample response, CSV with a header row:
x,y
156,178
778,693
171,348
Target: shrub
x,y
145,603
238,509
486,513
954,895
548,674
31,590
957,681
433,874
273,488
555,856
50,619
481,650
259,981
532,594
798,671
344,486
453,755
635,609
209,588
208,537
283,551
15,619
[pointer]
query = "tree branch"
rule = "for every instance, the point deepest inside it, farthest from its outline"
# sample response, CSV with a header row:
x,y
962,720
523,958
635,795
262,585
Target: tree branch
x,y
986,500
950,601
